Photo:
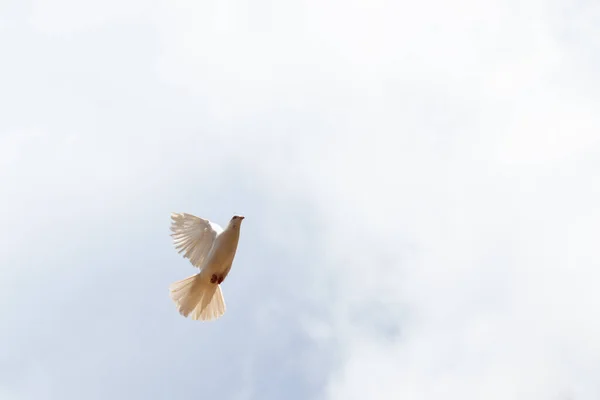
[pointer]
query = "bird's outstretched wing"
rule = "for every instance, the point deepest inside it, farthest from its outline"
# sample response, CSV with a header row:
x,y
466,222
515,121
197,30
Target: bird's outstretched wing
x,y
193,236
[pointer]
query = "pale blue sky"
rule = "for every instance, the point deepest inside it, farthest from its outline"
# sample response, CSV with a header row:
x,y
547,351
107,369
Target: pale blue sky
x,y
420,185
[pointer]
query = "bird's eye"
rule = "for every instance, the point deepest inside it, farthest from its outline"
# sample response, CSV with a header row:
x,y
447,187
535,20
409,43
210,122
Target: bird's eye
x,y
234,217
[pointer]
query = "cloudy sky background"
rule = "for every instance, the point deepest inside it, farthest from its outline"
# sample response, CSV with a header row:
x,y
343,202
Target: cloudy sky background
x,y
420,181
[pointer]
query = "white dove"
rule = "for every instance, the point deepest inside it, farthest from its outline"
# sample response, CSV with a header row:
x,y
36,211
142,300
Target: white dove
x,y
211,249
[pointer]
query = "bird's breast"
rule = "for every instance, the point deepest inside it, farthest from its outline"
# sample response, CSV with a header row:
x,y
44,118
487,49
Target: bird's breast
x,y
222,253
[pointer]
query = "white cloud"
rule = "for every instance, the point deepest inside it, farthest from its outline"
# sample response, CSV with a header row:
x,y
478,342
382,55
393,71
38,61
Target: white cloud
x,y
68,16
450,150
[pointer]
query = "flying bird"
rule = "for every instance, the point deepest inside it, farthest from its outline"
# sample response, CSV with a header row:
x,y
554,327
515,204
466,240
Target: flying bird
x,y
211,249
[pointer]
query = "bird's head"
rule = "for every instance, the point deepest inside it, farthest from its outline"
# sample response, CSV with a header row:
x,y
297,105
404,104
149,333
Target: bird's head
x,y
236,221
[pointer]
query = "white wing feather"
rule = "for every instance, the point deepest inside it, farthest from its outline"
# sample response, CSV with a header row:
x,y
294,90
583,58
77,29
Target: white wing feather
x,y
193,236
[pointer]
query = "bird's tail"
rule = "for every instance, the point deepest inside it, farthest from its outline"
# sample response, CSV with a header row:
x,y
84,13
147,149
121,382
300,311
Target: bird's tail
x,y
197,297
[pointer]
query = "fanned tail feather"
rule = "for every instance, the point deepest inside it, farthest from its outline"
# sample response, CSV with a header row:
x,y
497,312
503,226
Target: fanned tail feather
x,y
200,299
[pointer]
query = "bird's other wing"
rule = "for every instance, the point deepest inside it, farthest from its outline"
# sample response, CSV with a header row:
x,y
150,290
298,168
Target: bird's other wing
x,y
193,236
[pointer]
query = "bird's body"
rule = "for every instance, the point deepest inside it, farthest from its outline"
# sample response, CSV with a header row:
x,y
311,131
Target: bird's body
x,y
212,250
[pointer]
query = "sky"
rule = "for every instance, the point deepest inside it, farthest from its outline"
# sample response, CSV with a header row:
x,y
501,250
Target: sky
x,y
420,182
